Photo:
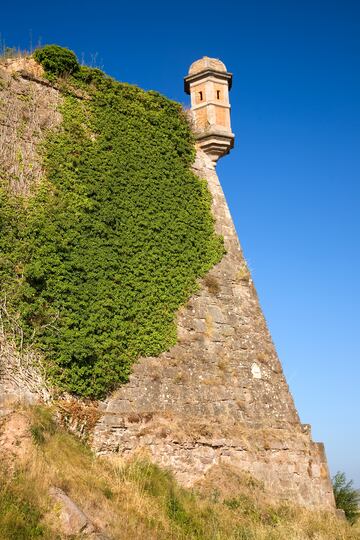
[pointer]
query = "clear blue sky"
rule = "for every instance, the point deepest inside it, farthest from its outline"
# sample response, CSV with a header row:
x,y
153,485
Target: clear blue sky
x,y
292,181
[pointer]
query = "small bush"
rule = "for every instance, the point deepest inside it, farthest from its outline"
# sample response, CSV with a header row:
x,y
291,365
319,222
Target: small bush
x,y
90,75
346,497
233,503
56,60
108,493
37,433
212,284
243,274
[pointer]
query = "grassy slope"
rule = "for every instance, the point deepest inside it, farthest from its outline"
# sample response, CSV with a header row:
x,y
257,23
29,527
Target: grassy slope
x,y
136,499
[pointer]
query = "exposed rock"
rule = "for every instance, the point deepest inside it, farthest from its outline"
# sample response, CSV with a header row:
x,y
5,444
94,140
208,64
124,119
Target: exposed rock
x,y
23,64
341,514
77,416
15,443
72,518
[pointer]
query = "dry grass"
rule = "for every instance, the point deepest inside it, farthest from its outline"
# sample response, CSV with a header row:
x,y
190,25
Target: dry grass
x,y
356,529
243,274
139,500
209,326
79,417
212,284
180,377
11,53
223,364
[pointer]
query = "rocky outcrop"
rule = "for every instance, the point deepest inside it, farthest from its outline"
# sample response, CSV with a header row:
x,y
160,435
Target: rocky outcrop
x,y
72,519
220,395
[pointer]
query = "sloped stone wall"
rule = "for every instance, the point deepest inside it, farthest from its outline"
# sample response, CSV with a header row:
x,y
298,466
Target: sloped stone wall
x,y
219,395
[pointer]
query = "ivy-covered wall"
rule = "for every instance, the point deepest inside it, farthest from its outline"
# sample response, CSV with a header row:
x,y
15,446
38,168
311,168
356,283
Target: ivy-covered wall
x,y
96,263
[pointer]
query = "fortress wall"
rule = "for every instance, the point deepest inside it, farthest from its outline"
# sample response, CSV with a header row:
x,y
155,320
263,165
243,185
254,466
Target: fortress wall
x,y
219,395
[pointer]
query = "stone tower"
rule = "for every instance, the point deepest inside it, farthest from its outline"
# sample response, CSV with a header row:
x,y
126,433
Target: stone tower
x,y
219,397
208,84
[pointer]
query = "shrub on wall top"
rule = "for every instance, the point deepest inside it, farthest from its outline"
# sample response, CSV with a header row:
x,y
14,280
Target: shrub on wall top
x,y
56,60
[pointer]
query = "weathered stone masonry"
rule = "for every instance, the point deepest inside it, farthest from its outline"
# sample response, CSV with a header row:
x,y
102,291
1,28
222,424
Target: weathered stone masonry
x,y
219,395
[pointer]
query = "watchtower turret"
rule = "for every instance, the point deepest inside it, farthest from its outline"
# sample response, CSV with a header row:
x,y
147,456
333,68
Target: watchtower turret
x,y
208,84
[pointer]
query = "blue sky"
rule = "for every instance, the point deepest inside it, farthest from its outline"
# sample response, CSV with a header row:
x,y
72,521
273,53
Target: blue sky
x,y
292,180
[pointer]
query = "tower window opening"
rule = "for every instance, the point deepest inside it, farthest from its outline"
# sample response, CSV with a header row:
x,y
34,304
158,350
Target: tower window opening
x,y
201,96
218,94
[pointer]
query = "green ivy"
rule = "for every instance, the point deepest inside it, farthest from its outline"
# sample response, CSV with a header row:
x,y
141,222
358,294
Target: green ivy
x,y
115,241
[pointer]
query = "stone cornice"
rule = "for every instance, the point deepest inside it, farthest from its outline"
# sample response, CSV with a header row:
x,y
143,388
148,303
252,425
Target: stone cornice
x,y
206,73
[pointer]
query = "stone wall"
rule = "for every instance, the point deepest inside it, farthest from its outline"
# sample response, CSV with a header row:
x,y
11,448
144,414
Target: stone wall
x,y
219,395
28,110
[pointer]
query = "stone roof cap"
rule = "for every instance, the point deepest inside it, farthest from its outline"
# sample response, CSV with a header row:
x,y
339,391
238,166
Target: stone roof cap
x,y
205,64
206,67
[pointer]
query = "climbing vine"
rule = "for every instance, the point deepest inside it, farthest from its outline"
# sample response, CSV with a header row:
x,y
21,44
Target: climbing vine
x,y
116,238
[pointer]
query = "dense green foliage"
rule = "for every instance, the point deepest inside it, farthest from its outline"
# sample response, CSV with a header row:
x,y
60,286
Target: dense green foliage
x,y
346,497
56,60
113,244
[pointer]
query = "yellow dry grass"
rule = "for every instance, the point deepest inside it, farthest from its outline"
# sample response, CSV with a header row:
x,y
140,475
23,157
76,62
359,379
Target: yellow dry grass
x,y
137,500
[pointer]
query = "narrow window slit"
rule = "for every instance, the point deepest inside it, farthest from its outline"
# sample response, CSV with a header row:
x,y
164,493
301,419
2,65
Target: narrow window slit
x,y
201,96
218,94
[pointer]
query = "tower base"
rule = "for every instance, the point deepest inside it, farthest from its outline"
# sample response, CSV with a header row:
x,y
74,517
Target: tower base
x,y
215,145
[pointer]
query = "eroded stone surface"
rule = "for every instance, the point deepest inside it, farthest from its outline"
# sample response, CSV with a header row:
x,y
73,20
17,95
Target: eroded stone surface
x,y
219,395
15,444
28,110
